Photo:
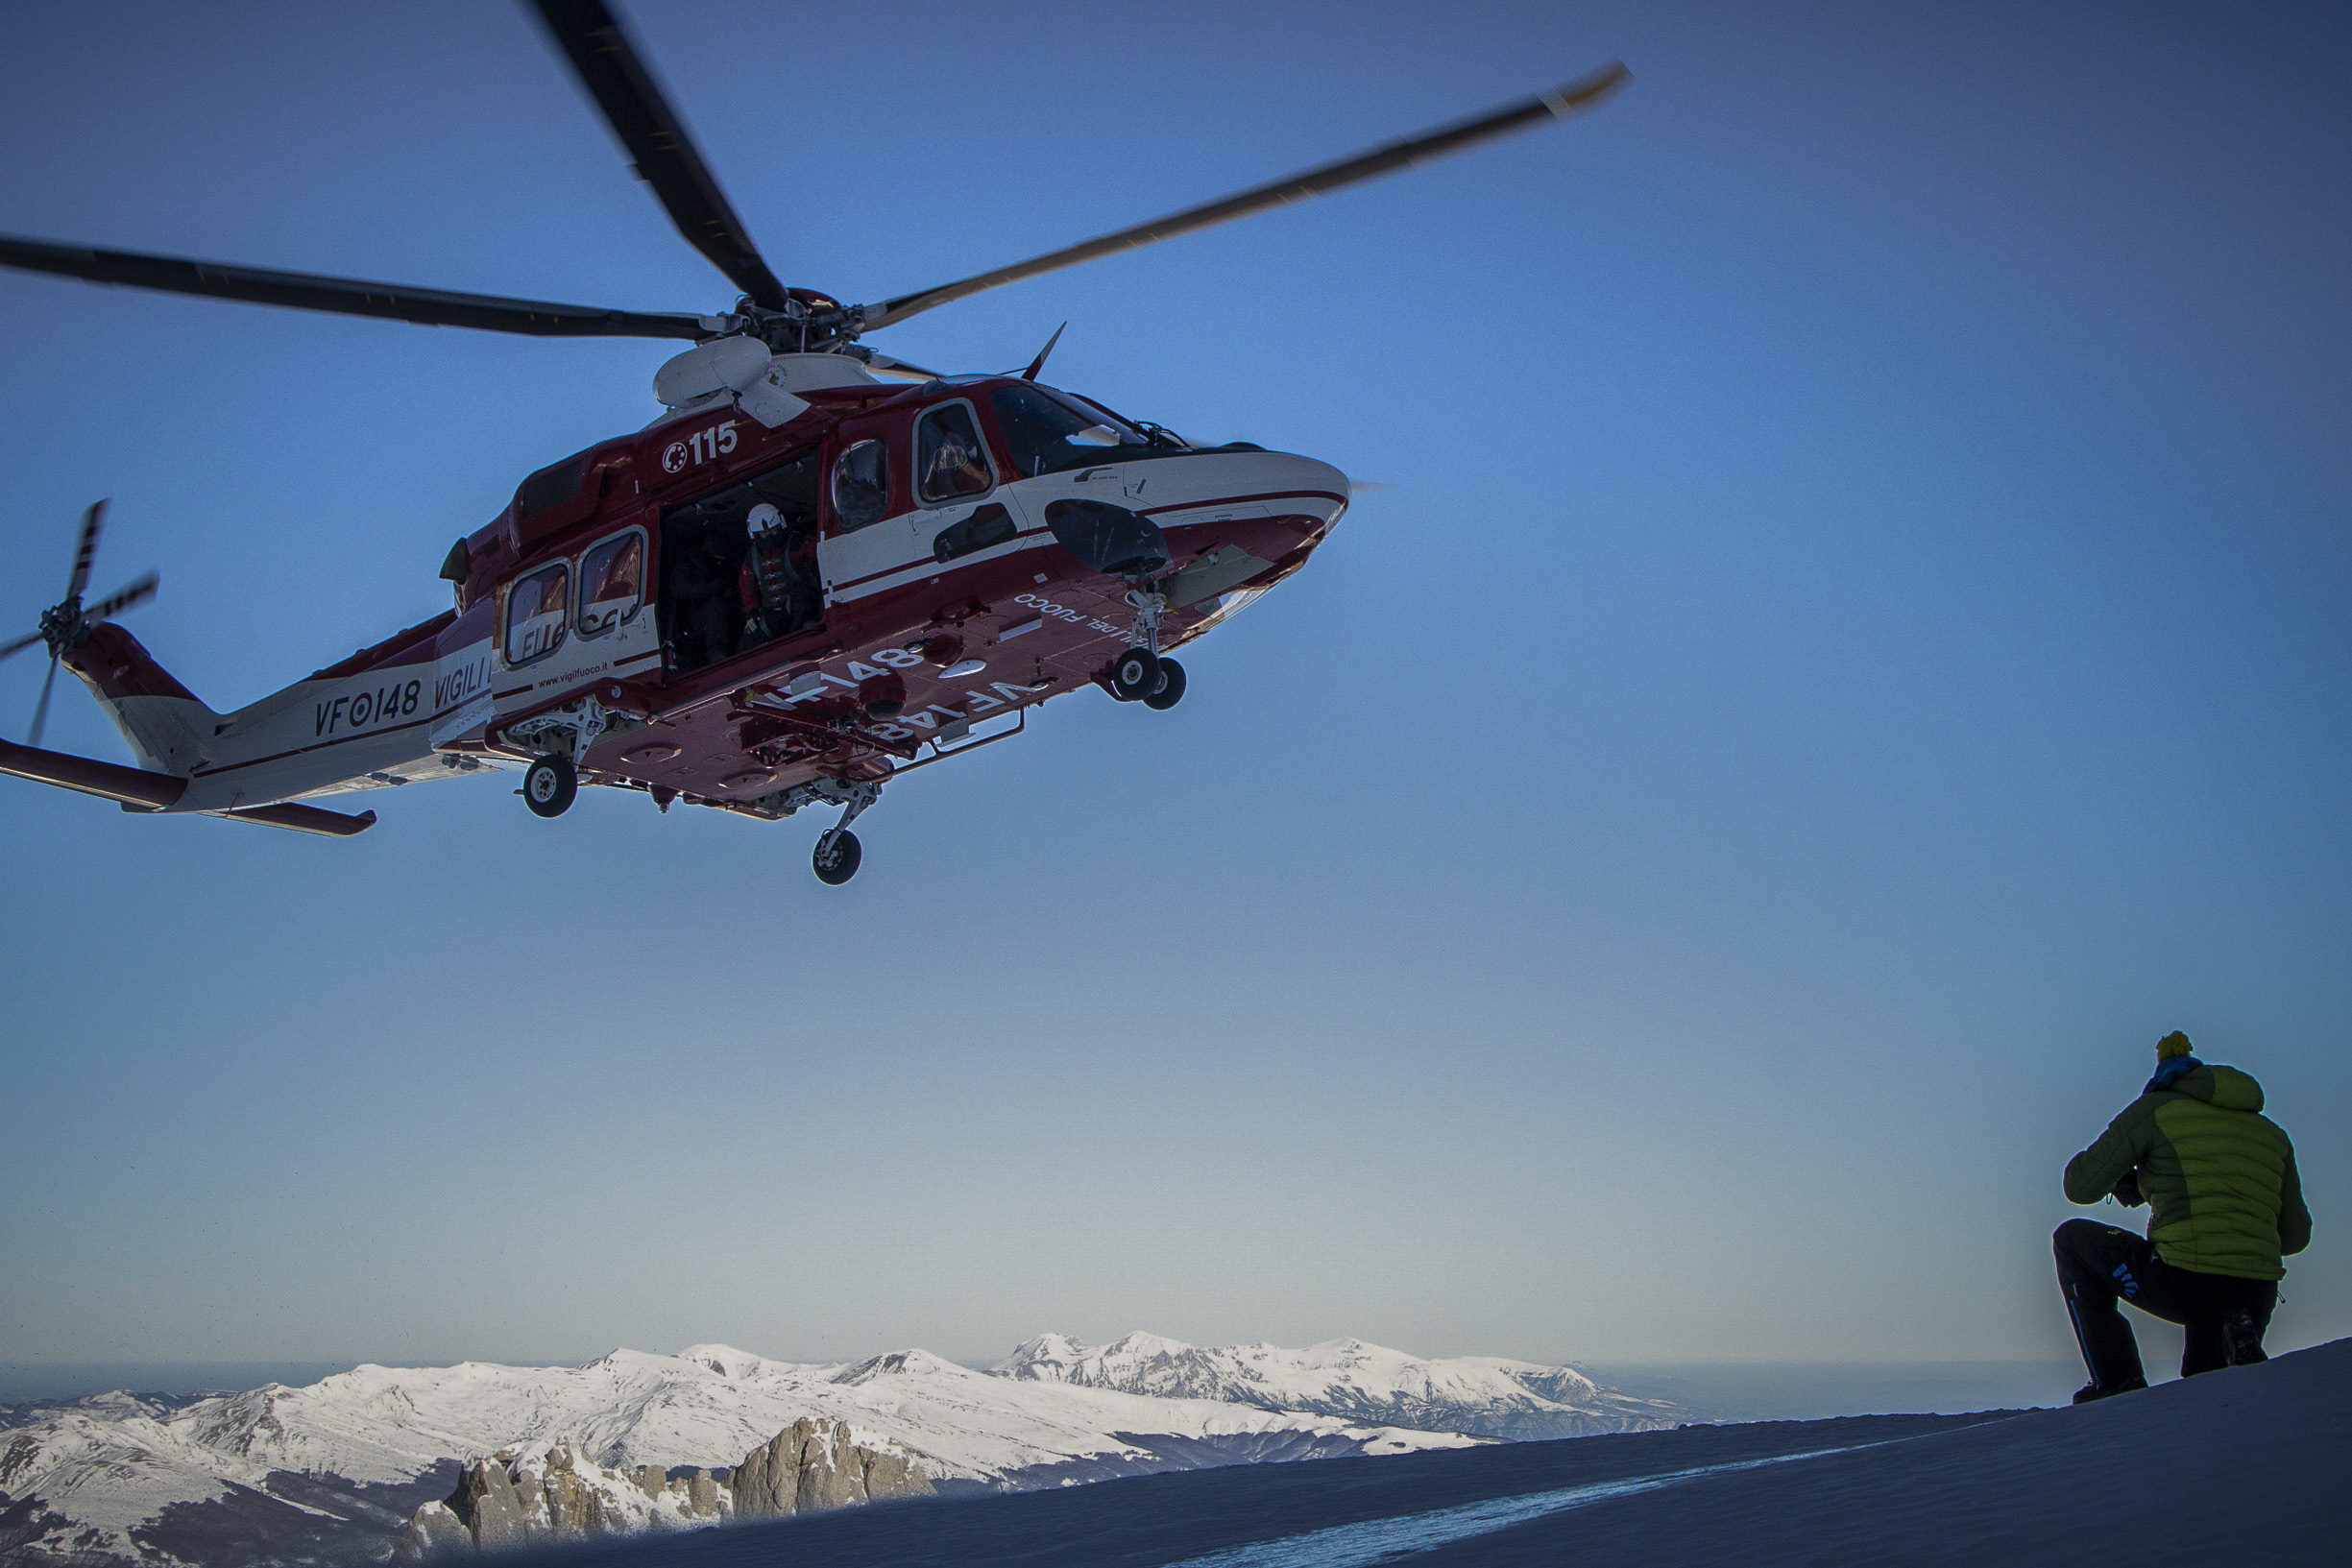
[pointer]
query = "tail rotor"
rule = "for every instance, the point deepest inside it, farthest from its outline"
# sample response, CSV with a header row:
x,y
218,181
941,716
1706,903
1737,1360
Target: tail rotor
x,y
68,623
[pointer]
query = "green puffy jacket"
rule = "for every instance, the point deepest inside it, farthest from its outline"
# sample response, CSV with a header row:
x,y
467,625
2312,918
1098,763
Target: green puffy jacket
x,y
2218,1175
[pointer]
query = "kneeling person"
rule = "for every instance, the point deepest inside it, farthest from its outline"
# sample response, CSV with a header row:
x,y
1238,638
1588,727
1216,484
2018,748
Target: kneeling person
x,y
2225,1204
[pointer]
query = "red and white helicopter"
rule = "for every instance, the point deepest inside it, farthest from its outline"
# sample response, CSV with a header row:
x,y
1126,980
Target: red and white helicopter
x,y
799,582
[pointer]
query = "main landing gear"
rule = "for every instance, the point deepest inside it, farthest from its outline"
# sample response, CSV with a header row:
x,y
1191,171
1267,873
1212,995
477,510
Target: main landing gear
x,y
550,782
837,850
549,785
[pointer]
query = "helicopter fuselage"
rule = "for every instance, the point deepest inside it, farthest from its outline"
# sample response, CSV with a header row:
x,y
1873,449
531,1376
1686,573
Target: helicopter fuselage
x,y
618,613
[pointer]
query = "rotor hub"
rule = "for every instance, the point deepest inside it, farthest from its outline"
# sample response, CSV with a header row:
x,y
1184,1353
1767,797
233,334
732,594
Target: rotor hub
x,y
808,323
63,626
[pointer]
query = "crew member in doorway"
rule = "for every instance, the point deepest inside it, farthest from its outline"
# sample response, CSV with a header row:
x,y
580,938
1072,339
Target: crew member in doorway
x,y
773,587
2225,1205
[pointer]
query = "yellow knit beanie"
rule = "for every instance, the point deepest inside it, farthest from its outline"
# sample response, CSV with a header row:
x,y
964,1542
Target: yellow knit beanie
x,y
2175,1044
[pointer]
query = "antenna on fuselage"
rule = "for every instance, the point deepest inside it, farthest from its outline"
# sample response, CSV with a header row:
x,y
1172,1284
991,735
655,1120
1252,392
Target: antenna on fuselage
x,y
1038,364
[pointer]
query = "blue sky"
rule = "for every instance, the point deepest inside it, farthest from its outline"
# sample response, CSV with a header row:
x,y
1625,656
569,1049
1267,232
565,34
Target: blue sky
x,y
1853,651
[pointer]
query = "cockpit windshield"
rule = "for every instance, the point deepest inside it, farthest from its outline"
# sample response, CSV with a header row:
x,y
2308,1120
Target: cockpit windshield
x,y
1048,431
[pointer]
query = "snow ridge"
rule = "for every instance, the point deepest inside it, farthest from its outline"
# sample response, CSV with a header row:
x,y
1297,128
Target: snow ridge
x,y
342,1462
1483,1395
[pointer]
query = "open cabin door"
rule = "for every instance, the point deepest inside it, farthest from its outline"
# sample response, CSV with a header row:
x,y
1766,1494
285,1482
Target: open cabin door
x,y
739,565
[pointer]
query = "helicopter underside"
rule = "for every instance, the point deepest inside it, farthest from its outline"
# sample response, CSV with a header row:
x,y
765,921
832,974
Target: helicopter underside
x,y
1022,623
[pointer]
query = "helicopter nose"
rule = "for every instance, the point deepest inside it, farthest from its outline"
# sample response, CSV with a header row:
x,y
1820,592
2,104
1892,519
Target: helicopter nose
x,y
1303,496
1302,484
1326,485
1306,486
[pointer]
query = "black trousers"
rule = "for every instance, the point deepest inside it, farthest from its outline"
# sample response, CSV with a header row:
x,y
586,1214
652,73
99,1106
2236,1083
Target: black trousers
x,y
2099,1265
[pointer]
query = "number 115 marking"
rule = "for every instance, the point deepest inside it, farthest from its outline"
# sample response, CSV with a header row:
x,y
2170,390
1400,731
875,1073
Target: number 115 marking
x,y
707,444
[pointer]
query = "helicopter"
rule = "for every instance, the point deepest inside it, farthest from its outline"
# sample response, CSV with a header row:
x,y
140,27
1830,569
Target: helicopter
x,y
819,569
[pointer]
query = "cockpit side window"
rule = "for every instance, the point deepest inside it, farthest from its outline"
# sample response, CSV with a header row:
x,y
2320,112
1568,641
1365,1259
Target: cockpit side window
x,y
1046,434
612,583
535,613
950,461
862,485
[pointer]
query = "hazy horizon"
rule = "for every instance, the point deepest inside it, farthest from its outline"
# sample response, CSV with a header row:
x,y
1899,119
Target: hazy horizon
x,y
1720,1390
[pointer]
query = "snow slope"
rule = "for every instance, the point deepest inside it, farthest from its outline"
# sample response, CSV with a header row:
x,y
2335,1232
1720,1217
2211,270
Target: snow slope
x,y
2245,1467
1485,1395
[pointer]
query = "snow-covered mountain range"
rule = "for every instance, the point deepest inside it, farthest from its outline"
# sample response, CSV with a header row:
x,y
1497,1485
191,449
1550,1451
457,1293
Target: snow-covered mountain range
x,y
1482,1395
337,1467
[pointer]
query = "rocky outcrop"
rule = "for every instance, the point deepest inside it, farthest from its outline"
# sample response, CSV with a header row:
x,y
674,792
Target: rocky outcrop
x,y
521,1497
813,1464
435,1528
489,1505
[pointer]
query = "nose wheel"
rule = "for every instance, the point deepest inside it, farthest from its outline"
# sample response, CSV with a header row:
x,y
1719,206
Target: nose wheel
x,y
1169,689
1143,676
1135,675
1140,674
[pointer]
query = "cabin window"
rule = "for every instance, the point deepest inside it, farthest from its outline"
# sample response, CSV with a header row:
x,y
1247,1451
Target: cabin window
x,y
1046,433
535,608
862,485
612,583
950,461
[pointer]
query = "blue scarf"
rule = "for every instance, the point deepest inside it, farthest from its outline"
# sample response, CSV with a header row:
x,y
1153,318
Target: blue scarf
x,y
2171,1071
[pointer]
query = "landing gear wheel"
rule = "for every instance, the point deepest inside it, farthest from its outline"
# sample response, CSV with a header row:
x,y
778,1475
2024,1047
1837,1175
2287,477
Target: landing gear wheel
x,y
1135,675
837,857
550,784
1171,689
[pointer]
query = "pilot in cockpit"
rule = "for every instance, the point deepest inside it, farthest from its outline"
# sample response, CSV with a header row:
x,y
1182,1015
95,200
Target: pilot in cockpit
x,y
955,468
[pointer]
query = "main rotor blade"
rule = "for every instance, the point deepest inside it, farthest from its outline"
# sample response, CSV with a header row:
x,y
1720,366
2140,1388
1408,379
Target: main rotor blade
x,y
344,296
611,68
882,364
18,646
40,714
138,590
86,550
1557,104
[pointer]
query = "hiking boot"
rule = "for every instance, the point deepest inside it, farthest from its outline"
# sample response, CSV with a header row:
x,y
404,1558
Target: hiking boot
x,y
2090,1391
2242,1339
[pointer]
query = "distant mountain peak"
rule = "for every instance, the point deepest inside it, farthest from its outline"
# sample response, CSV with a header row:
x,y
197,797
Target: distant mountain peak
x,y
900,1363
1144,1342
1349,1378
1045,1350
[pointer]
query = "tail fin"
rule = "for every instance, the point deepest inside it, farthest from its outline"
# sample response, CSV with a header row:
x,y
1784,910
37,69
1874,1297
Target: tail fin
x,y
168,728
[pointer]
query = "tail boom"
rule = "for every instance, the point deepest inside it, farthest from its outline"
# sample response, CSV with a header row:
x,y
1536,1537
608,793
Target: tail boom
x,y
377,718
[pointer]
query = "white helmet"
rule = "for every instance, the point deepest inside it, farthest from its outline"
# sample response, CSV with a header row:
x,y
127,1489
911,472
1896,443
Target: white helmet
x,y
762,519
